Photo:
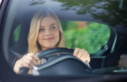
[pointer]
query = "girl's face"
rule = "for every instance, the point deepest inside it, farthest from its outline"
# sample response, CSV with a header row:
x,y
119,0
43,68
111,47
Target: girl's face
x,y
48,35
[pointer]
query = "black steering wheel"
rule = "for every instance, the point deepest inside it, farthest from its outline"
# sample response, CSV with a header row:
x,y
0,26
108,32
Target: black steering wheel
x,y
54,56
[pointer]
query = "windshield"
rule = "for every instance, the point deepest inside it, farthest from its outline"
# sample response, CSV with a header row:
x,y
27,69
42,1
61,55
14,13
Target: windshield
x,y
80,24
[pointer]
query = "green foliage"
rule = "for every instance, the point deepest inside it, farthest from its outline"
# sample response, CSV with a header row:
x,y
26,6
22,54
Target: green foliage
x,y
91,38
98,9
16,33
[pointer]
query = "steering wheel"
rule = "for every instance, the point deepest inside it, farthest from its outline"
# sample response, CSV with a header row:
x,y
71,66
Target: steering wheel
x,y
52,57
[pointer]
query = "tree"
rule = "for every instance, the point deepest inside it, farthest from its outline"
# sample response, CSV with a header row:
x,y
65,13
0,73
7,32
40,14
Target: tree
x,y
107,11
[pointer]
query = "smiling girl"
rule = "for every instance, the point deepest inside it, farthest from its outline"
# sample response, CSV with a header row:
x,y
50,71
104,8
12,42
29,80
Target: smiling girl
x,y
45,33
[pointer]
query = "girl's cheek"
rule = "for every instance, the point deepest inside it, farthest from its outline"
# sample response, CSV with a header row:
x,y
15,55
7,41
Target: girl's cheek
x,y
56,33
40,35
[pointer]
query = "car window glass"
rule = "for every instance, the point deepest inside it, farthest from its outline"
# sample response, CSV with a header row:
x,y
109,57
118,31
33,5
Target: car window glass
x,y
81,29
16,33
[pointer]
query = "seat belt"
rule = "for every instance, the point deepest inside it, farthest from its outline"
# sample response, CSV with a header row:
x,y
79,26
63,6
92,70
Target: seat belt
x,y
17,54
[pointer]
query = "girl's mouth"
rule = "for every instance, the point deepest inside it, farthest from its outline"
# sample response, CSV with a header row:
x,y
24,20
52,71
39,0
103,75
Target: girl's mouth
x,y
48,38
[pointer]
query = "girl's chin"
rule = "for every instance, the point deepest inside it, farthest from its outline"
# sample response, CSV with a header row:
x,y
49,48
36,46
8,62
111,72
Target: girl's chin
x,y
48,47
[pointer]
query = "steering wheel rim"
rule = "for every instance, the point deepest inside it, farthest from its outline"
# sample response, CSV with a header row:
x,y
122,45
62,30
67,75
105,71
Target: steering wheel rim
x,y
42,54
64,53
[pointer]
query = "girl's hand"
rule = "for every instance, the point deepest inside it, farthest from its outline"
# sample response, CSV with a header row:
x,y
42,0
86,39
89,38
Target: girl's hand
x,y
27,61
82,54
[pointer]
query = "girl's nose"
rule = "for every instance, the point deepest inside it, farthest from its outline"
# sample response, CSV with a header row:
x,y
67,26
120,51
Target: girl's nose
x,y
48,32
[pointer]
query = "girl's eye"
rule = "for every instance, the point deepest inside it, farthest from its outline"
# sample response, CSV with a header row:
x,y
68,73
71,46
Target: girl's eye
x,y
42,29
52,27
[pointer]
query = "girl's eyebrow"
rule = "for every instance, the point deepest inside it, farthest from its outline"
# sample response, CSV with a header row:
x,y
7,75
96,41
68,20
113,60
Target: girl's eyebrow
x,y
41,26
52,24
49,25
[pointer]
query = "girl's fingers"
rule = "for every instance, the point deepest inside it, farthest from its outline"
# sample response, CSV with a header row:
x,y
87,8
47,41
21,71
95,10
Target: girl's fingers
x,y
32,60
76,51
83,55
87,56
28,61
86,59
80,53
26,64
83,58
36,58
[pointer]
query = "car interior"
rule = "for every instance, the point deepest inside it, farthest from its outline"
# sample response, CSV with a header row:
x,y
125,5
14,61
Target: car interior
x,y
15,50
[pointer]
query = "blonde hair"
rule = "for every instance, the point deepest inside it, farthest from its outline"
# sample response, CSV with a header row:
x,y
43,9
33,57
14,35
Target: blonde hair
x,y
33,45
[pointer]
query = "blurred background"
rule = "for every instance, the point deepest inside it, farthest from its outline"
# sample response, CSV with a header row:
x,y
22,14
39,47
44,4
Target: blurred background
x,y
90,36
